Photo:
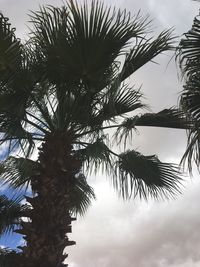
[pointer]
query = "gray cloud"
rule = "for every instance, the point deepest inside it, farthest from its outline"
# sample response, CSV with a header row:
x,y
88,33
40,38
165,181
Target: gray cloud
x,y
139,234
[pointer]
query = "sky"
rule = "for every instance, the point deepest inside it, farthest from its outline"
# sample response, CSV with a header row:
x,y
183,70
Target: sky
x,y
137,233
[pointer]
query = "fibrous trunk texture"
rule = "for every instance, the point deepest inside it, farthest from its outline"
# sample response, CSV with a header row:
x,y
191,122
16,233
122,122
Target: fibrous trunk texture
x,y
50,219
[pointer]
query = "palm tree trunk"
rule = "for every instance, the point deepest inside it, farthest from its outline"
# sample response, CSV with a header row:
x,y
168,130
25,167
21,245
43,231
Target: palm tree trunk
x,y
50,219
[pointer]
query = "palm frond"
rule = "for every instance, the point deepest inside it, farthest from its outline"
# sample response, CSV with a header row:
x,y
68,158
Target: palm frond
x,y
168,118
119,102
188,54
82,43
15,137
192,152
95,155
190,104
17,172
10,49
188,51
144,51
145,176
81,195
190,98
10,213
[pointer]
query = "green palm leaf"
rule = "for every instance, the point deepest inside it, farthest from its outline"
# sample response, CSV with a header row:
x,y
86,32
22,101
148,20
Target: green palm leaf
x,y
189,59
9,49
189,49
145,176
81,195
10,213
190,103
120,101
17,172
79,43
167,118
95,155
144,51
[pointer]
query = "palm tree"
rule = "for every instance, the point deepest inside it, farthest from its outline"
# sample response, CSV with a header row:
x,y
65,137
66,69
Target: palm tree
x,y
188,54
61,91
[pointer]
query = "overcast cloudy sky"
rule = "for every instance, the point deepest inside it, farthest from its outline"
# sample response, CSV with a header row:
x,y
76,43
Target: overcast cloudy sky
x,y
140,234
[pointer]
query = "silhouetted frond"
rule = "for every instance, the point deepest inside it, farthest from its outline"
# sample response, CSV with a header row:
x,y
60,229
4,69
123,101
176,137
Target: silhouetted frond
x,y
145,50
10,213
119,102
81,195
10,50
145,176
17,172
82,43
188,54
96,155
167,118
189,49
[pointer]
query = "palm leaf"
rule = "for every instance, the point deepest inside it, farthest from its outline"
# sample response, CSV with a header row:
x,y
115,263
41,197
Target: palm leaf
x,y
10,213
81,195
95,155
167,118
189,58
145,176
10,50
189,49
17,172
119,102
79,43
144,51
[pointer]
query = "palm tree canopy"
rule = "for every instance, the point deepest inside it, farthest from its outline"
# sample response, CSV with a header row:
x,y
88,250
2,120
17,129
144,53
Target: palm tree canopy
x,y
70,78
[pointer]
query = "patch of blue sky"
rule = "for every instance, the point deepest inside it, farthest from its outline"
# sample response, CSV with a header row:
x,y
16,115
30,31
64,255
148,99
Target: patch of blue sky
x,y
11,240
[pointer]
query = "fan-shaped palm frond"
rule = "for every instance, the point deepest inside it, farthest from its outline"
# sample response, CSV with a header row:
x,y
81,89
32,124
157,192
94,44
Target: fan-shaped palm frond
x,y
189,49
167,118
144,51
189,58
10,213
96,154
9,48
119,101
190,103
145,176
81,195
17,172
82,44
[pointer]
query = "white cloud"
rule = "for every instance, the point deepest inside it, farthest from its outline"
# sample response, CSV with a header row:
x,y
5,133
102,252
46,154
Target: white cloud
x,y
144,234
